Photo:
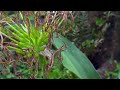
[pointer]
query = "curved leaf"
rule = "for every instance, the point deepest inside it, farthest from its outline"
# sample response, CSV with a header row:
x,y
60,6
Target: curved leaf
x,y
75,60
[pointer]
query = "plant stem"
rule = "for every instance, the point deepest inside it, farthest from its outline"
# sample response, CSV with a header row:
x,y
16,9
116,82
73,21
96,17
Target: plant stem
x,y
41,63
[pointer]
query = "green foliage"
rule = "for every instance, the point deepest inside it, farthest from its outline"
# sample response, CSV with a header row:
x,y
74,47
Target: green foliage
x,y
6,72
58,72
88,46
100,21
115,74
25,38
75,60
83,35
30,40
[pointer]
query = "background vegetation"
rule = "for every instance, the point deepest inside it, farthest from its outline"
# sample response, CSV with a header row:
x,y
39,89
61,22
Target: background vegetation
x,y
59,45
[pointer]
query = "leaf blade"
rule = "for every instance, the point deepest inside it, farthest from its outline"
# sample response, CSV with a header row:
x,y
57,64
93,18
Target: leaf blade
x,y
75,60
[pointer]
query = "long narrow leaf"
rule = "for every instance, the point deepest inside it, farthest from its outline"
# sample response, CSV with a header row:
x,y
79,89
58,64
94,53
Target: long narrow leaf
x,y
17,49
9,37
75,60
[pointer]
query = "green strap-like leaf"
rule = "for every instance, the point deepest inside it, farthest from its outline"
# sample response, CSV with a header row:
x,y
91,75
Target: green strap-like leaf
x,y
75,60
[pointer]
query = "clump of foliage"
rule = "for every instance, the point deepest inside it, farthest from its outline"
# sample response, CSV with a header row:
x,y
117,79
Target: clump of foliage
x,y
32,42
30,52
113,74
